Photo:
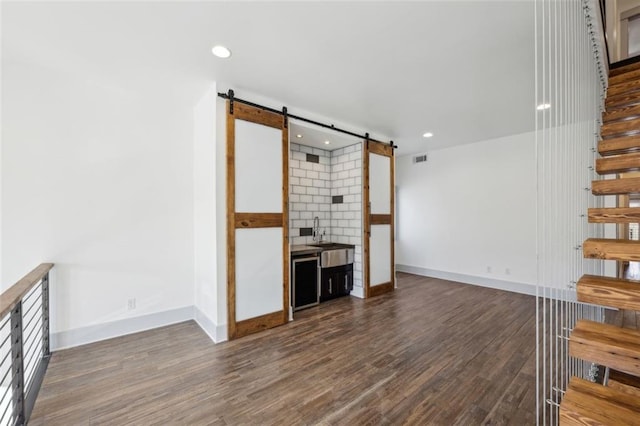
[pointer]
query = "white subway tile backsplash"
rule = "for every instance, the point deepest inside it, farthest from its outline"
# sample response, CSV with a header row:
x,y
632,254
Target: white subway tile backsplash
x,y
306,198
300,156
305,165
355,172
294,180
313,191
349,165
324,175
312,174
355,190
294,198
306,149
319,167
324,191
343,174
297,189
325,207
305,182
299,173
306,215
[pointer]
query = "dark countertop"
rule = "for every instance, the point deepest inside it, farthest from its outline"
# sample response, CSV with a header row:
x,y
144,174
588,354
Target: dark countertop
x,y
301,250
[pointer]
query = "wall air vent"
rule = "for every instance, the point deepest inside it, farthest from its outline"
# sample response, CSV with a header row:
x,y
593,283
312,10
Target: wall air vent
x,y
420,158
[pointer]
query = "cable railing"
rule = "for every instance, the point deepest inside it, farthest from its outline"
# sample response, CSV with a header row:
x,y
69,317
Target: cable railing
x,y
24,344
571,80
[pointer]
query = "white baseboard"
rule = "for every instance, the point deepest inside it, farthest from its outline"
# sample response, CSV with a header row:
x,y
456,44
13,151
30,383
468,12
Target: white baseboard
x,y
358,292
94,333
515,287
205,323
217,333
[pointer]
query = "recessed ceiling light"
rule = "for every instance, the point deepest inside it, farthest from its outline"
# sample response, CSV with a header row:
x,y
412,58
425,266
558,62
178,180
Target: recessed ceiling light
x,y
221,51
327,142
299,136
427,135
544,106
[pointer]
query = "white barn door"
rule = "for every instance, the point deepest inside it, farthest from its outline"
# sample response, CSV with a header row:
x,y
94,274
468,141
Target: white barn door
x,y
257,220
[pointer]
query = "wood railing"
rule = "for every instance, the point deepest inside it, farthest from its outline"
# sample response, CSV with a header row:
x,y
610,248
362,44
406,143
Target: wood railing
x,y
24,344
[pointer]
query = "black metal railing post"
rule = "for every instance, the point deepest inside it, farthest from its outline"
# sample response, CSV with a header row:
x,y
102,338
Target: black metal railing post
x,y
17,365
46,351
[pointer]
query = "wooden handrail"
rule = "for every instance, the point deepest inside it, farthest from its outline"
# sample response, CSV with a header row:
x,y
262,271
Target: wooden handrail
x,y
16,292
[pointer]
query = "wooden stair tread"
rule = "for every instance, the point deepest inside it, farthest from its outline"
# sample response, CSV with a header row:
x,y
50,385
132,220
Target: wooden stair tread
x,y
614,215
623,99
618,163
617,146
611,249
628,85
616,186
620,127
606,345
624,76
622,113
629,68
624,382
607,291
587,403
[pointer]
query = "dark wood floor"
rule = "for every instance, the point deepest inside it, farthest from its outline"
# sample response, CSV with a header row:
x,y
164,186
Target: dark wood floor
x,y
433,352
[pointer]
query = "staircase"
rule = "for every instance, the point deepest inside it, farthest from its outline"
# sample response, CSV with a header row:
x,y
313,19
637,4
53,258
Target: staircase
x,y
617,402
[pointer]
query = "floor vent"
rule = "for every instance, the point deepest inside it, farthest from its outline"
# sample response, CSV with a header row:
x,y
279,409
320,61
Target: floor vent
x,y
420,159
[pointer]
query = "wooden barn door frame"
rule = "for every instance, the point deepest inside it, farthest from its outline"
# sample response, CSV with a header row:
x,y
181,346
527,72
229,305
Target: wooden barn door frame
x,y
245,220
370,219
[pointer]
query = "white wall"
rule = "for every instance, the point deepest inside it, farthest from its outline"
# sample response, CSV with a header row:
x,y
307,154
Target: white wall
x,y
98,178
470,208
204,206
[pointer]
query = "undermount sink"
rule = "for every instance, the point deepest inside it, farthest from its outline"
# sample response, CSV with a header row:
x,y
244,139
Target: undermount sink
x,y
335,254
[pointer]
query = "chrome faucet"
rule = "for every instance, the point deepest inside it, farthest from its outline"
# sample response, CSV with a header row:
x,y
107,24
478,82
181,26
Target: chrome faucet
x,y
316,229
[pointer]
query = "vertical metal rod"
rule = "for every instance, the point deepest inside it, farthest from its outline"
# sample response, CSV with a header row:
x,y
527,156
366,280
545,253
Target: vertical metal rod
x,y
46,350
17,365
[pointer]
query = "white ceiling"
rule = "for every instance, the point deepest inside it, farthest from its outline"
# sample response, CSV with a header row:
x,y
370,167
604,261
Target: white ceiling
x,y
316,137
462,70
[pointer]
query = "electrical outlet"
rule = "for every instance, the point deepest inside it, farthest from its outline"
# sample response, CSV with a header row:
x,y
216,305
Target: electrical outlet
x,y
131,304
489,269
